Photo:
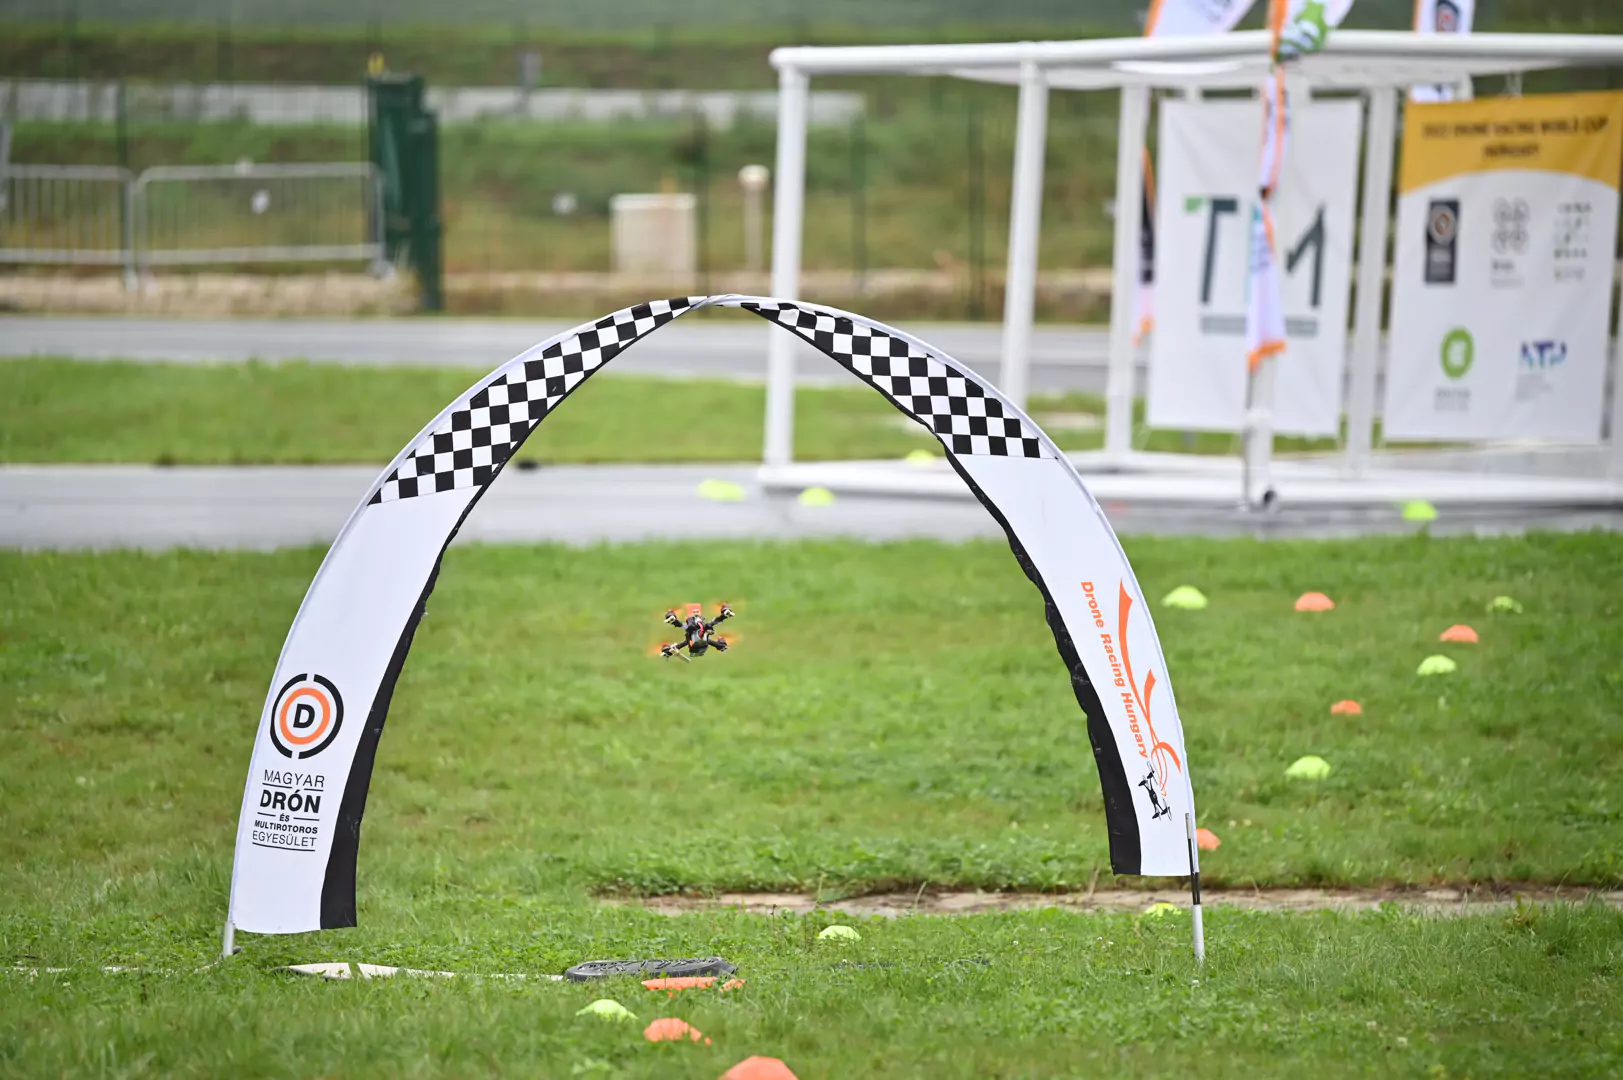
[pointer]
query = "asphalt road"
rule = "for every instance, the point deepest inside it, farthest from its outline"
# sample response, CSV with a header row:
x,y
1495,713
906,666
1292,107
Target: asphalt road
x,y
142,506
1063,358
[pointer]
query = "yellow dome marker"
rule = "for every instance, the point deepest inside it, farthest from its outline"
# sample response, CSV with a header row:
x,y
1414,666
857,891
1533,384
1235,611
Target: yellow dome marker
x,y
839,934
1311,767
1187,597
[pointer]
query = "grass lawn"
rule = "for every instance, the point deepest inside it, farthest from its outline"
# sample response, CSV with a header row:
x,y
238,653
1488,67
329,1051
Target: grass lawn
x,y
187,414
1033,995
893,716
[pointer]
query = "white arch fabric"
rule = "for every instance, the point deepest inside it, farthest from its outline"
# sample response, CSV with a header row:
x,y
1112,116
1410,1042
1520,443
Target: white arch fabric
x,y
299,832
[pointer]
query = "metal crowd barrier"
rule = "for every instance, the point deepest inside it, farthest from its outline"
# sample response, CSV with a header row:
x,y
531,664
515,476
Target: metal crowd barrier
x,y
191,215
66,215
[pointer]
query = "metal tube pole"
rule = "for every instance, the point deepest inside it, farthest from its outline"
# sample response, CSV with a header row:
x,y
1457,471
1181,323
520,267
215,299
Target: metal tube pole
x,y
1194,888
977,213
1135,102
752,180
1025,218
1614,465
859,203
1371,278
788,205
1257,486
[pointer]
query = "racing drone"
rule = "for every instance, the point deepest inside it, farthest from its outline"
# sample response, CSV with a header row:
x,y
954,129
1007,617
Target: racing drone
x,y
697,634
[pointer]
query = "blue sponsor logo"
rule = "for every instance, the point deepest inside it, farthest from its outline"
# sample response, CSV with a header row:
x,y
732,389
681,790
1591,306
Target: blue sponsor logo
x,y
1543,355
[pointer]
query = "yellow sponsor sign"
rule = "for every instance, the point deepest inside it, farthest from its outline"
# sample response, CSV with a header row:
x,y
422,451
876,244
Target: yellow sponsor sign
x,y
1578,134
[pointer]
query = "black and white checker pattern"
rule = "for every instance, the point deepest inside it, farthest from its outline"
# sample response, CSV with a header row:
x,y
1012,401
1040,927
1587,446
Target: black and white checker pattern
x,y
952,406
467,447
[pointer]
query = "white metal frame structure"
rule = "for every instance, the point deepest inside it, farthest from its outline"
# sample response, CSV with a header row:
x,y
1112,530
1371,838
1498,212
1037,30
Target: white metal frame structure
x,y
1381,64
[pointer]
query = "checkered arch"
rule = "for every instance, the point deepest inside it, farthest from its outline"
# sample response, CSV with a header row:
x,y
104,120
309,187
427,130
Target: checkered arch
x,y
355,628
467,447
956,408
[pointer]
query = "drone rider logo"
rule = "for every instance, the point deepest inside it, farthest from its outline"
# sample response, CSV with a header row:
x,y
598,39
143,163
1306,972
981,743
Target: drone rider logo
x,y
306,717
1159,756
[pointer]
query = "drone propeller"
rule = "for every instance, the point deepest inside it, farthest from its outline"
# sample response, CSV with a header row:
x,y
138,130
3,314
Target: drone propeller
x,y
669,649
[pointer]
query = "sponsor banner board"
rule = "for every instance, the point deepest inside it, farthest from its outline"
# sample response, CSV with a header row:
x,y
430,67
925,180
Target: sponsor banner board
x,y
1204,224
1502,277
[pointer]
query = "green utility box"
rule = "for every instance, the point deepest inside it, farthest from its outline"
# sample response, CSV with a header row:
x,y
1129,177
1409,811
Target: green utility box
x,y
403,140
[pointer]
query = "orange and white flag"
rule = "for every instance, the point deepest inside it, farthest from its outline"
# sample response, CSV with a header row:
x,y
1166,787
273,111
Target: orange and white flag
x,y
1265,306
1172,18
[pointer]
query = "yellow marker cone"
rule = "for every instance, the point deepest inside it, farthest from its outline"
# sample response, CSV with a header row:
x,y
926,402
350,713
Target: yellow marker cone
x,y
607,1009
816,496
1419,510
720,491
1311,767
1187,597
1437,665
839,934
920,459
1504,603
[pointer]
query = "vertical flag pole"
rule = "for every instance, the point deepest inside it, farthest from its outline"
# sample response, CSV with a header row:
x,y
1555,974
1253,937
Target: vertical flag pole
x,y
1194,889
228,939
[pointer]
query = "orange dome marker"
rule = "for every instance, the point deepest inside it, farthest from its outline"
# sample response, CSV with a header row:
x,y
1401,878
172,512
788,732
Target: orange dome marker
x,y
759,1068
1347,708
1314,601
689,982
1207,840
1458,632
670,1029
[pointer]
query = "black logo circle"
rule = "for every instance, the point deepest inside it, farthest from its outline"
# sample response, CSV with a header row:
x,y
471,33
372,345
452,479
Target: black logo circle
x,y
306,716
1442,224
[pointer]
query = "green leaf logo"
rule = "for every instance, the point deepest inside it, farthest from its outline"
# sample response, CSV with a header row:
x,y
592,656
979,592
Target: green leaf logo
x,y
1457,353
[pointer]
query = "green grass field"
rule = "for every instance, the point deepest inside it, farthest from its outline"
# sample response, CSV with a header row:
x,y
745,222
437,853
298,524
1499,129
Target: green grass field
x,y
1036,995
191,414
893,716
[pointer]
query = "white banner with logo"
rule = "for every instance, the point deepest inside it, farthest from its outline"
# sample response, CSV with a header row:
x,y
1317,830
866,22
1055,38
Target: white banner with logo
x,y
1208,199
1502,280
